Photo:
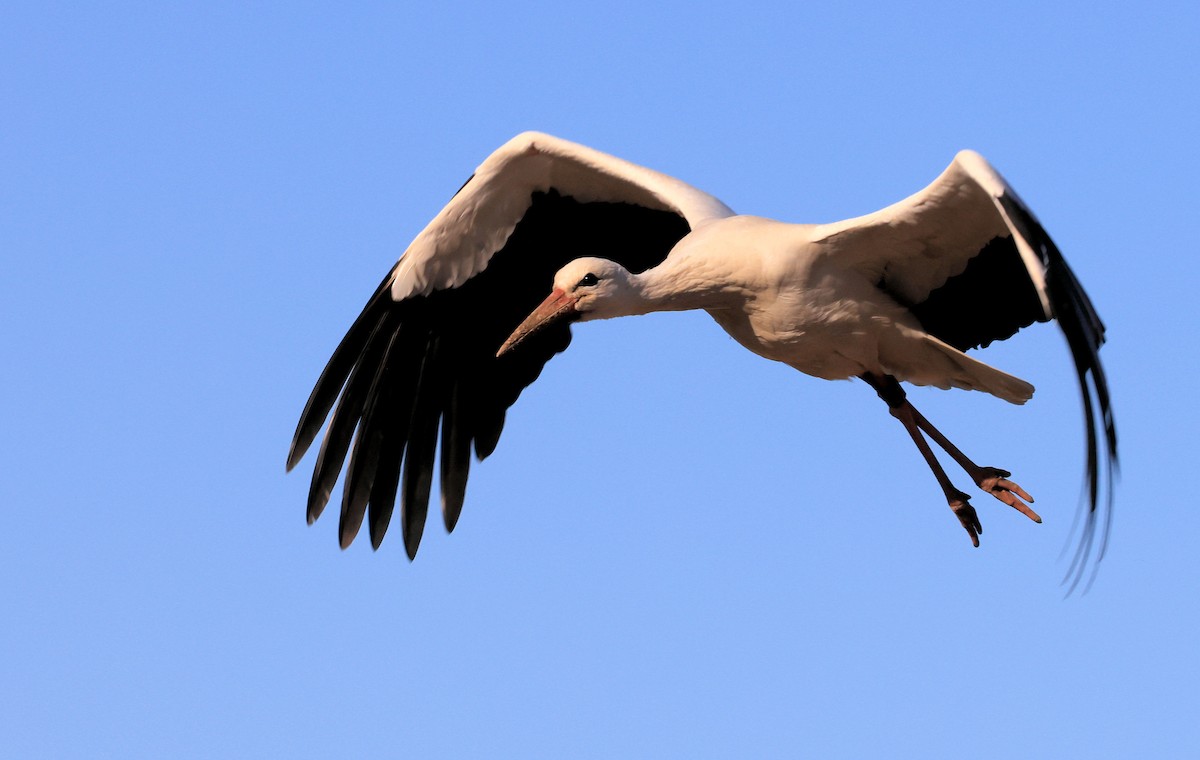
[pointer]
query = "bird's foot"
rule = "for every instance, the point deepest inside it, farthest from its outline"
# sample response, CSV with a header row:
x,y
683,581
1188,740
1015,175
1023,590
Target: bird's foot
x,y
960,503
995,481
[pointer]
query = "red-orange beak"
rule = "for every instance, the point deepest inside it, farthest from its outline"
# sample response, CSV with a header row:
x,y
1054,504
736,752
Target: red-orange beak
x,y
557,307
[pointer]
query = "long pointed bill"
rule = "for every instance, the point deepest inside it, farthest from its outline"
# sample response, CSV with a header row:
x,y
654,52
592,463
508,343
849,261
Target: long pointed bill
x,y
557,307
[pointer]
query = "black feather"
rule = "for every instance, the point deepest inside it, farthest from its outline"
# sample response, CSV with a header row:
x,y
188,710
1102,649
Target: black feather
x,y
1084,332
337,369
345,418
394,421
990,300
403,366
456,458
364,455
418,458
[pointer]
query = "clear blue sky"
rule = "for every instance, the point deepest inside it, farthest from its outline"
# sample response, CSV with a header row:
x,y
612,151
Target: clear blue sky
x,y
679,549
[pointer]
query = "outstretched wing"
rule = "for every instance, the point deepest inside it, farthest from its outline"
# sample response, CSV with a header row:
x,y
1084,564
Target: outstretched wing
x,y
974,265
422,353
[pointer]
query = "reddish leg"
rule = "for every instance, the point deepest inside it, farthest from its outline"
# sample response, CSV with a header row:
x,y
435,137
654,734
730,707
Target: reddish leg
x,y
958,501
990,479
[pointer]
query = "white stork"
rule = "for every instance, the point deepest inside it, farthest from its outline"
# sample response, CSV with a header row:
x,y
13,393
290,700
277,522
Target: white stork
x,y
897,295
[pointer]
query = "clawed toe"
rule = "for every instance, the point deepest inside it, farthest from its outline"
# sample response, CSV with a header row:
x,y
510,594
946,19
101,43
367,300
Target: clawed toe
x,y
959,502
995,481
991,479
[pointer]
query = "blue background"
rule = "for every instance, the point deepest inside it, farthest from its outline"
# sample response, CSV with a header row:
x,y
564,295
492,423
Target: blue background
x,y
679,549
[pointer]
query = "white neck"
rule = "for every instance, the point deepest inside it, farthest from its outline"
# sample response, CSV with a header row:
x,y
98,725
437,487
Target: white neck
x,y
682,285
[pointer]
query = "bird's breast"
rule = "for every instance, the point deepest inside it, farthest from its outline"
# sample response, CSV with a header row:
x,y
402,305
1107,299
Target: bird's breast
x,y
823,323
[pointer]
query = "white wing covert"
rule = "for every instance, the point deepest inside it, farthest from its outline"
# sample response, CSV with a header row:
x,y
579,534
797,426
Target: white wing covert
x,y
460,241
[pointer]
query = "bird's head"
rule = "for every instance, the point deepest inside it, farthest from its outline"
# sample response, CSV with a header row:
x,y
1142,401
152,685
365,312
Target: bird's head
x,y
584,289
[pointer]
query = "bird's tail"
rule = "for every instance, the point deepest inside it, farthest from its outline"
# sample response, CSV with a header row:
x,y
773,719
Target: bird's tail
x,y
944,366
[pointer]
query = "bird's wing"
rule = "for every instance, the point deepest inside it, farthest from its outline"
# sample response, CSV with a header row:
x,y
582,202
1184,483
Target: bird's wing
x,y
475,224
974,265
422,352
911,249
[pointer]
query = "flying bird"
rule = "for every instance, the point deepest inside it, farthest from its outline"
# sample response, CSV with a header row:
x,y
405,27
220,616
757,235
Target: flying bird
x,y
463,323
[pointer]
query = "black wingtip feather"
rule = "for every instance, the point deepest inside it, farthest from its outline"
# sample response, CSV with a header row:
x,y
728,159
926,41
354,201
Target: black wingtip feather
x,y
418,458
1085,334
395,422
365,454
455,456
345,418
337,369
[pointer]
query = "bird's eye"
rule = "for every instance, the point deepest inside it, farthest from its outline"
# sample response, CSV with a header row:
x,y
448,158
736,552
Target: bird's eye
x,y
589,279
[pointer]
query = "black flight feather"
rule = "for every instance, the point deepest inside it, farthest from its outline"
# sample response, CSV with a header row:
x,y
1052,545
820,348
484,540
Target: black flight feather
x,y
456,457
345,418
1084,332
337,369
990,300
406,366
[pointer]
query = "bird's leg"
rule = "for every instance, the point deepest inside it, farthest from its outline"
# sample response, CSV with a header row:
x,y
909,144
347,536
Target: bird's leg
x,y
891,392
991,479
